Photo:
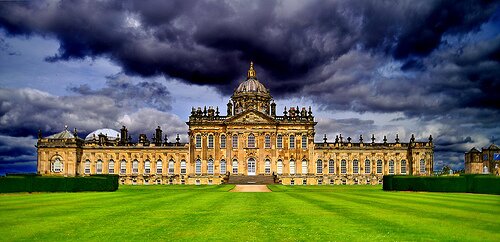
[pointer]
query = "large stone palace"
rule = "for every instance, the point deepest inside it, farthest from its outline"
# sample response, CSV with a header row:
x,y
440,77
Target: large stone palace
x,y
250,141
486,161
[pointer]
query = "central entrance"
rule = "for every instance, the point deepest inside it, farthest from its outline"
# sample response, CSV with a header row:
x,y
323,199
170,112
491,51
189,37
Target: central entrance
x,y
251,167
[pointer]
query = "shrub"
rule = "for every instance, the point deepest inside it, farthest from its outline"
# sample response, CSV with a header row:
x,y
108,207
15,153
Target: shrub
x,y
32,183
466,183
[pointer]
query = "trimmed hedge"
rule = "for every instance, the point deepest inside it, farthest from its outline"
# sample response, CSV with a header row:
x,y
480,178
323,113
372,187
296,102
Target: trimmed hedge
x,y
486,184
30,183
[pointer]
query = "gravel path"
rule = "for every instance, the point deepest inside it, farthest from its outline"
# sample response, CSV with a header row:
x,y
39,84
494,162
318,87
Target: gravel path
x,y
250,188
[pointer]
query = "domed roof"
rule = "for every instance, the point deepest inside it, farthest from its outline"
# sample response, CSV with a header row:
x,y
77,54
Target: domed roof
x,y
110,133
251,84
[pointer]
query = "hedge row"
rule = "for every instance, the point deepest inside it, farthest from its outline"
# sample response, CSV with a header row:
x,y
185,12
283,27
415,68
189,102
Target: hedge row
x,y
30,183
486,184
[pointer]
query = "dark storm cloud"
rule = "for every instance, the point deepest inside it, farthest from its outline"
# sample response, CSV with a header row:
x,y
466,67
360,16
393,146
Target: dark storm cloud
x,y
128,94
211,42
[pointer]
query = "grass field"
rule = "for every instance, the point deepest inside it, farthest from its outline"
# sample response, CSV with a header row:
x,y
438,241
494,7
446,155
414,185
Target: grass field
x,y
319,213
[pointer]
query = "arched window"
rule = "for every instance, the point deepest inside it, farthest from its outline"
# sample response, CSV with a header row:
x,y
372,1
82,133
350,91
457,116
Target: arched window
x,y
87,167
268,142
171,167
123,167
292,167
147,167
331,167
222,167
210,167
304,141
391,167
279,167
159,167
198,141
98,167
210,141
135,167
198,166
422,166
319,166
355,166
343,166
223,141
367,166
292,141
304,166
251,141
279,141
403,166
235,166
267,166
379,167
57,165
111,167
183,167
235,141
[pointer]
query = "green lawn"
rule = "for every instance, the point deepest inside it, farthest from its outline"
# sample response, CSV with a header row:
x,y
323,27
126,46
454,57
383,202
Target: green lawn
x,y
319,213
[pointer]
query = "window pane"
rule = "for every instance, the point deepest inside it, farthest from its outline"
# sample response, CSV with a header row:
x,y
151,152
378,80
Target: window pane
x,y
210,141
268,142
304,141
87,167
159,167
379,167
355,166
292,141
367,166
304,167
147,167
171,167
251,141
183,167
123,167
135,166
331,166
391,167
267,166
422,166
292,167
279,141
210,167
198,141
343,166
222,167
111,167
235,141
198,166
223,141
279,167
98,167
403,166
319,167
235,167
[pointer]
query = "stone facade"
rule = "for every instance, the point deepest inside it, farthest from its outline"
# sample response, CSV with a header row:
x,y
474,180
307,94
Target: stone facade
x,y
486,161
250,140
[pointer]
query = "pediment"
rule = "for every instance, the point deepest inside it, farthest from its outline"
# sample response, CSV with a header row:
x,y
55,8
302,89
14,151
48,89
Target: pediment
x,y
251,117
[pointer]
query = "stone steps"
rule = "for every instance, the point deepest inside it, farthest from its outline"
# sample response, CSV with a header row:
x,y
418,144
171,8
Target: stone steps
x,y
257,180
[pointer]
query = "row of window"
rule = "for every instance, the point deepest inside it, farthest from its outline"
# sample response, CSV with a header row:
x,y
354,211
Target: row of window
x,y
57,166
250,141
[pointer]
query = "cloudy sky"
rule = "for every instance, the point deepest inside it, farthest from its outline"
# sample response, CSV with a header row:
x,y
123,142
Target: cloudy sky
x,y
366,67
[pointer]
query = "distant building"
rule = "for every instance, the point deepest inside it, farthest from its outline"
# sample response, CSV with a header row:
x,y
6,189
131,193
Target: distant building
x,y
249,142
486,161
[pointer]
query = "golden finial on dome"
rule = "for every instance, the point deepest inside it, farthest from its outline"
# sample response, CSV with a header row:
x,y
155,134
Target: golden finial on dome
x,y
251,72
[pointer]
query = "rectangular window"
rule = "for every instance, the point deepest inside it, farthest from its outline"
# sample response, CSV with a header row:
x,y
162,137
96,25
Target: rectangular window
x,y
367,167
147,167
391,167
320,182
304,142
279,167
304,181
251,141
159,168
223,141
171,167
183,167
292,182
98,167
292,167
198,141
279,141
210,141
267,167
319,167
210,168
331,167
223,167
355,167
268,142
235,141
87,167
135,167
403,167
343,166
292,141
198,167
111,168
379,167
422,166
123,167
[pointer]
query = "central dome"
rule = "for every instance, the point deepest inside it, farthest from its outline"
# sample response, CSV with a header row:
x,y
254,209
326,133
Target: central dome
x,y
110,133
251,85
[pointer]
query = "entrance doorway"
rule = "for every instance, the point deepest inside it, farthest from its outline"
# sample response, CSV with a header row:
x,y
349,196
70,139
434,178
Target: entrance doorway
x,y
251,167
